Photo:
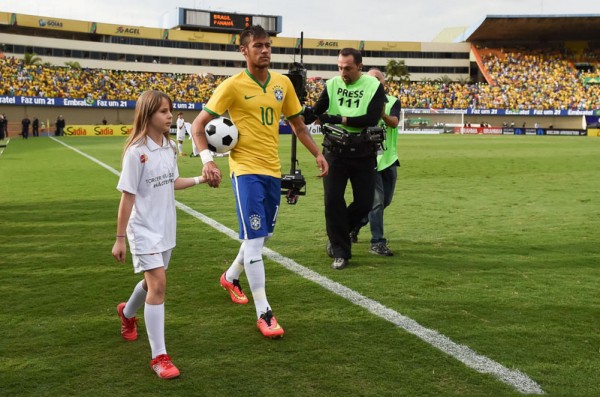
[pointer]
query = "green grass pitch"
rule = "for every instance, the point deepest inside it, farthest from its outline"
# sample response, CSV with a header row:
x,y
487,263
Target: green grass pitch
x,y
497,242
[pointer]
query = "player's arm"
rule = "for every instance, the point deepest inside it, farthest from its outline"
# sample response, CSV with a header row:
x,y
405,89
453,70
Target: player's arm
x,y
307,140
125,208
210,171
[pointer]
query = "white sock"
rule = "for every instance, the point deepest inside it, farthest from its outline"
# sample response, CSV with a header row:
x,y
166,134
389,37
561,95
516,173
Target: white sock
x,y
255,272
136,300
180,147
237,267
154,317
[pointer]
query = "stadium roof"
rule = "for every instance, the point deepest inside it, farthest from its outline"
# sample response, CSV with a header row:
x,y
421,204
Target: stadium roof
x,y
535,28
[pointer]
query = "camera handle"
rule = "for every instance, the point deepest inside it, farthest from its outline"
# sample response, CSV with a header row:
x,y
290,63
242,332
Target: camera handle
x,y
294,184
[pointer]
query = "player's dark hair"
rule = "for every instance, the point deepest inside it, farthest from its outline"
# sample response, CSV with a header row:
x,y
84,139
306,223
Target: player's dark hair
x,y
354,52
256,31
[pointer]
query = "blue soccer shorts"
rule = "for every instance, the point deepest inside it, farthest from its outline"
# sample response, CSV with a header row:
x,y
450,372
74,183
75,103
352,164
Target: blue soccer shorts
x,y
257,199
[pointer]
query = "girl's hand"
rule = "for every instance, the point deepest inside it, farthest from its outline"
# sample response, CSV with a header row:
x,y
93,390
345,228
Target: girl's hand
x,y
119,250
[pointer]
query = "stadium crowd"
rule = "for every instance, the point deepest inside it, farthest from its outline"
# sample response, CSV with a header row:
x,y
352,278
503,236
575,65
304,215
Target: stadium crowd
x,y
520,80
19,79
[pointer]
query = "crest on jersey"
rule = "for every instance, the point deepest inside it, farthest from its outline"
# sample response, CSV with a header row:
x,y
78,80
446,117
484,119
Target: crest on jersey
x,y
278,91
255,221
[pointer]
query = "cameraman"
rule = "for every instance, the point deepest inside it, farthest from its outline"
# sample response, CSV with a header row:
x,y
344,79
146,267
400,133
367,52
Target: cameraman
x,y
387,173
352,101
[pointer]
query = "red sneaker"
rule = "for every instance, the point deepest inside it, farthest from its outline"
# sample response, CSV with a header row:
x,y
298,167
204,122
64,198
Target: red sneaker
x,y
128,325
163,366
235,290
268,325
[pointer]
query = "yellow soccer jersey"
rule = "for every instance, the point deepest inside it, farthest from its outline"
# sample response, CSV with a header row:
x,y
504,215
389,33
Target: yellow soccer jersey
x,y
255,110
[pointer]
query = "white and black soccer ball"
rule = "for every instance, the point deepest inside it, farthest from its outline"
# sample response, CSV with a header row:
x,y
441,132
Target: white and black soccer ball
x,y
222,135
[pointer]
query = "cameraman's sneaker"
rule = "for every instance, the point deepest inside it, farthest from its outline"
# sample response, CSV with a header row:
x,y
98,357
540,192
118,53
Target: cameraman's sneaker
x,y
128,325
381,249
339,263
268,325
163,366
234,289
329,249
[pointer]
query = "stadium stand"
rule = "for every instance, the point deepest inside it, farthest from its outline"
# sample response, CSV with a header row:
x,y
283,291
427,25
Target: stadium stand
x,y
510,69
521,80
66,82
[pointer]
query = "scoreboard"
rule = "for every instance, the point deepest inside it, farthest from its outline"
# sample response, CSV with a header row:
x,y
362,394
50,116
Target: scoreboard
x,y
229,22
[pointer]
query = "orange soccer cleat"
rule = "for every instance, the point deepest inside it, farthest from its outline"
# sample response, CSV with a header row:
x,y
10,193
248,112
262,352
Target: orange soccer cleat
x,y
268,325
235,290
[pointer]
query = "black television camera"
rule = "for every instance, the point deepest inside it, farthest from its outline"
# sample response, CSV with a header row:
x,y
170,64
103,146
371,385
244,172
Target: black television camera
x,y
340,141
294,184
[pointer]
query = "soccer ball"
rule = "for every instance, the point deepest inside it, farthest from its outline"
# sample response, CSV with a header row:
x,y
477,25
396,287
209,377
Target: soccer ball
x,y
222,135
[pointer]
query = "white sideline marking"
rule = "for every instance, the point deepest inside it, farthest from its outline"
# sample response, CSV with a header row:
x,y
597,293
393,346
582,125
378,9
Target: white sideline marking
x,y
464,354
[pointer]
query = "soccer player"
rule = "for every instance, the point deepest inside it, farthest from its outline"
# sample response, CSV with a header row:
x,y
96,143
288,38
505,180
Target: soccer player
x,y
180,133
255,99
147,218
188,130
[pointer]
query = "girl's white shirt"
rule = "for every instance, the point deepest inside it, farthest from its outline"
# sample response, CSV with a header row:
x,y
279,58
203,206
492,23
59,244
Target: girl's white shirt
x,y
149,172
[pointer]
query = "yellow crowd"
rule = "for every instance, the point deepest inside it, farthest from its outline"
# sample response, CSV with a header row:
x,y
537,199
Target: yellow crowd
x,y
520,80
18,79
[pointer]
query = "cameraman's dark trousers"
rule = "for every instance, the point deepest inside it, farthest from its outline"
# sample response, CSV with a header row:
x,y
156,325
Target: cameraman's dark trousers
x,y
339,218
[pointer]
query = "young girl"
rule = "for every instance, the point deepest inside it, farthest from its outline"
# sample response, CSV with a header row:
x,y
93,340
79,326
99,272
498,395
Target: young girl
x,y
147,217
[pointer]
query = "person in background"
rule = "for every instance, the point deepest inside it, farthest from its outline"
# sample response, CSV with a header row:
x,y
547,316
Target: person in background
x,y
25,123
147,218
5,125
180,133
35,126
60,126
2,121
387,173
188,130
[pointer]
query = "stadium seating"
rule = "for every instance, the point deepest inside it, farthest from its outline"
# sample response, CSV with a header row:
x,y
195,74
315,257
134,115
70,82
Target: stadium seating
x,y
521,79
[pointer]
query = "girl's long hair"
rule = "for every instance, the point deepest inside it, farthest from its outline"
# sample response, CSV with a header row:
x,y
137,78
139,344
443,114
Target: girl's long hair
x,y
147,104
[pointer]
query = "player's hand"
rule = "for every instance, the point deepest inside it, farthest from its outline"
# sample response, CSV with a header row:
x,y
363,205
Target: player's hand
x,y
119,250
322,164
211,174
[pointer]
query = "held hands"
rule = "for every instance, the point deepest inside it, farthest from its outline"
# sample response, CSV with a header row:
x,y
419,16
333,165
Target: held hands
x,y
211,174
